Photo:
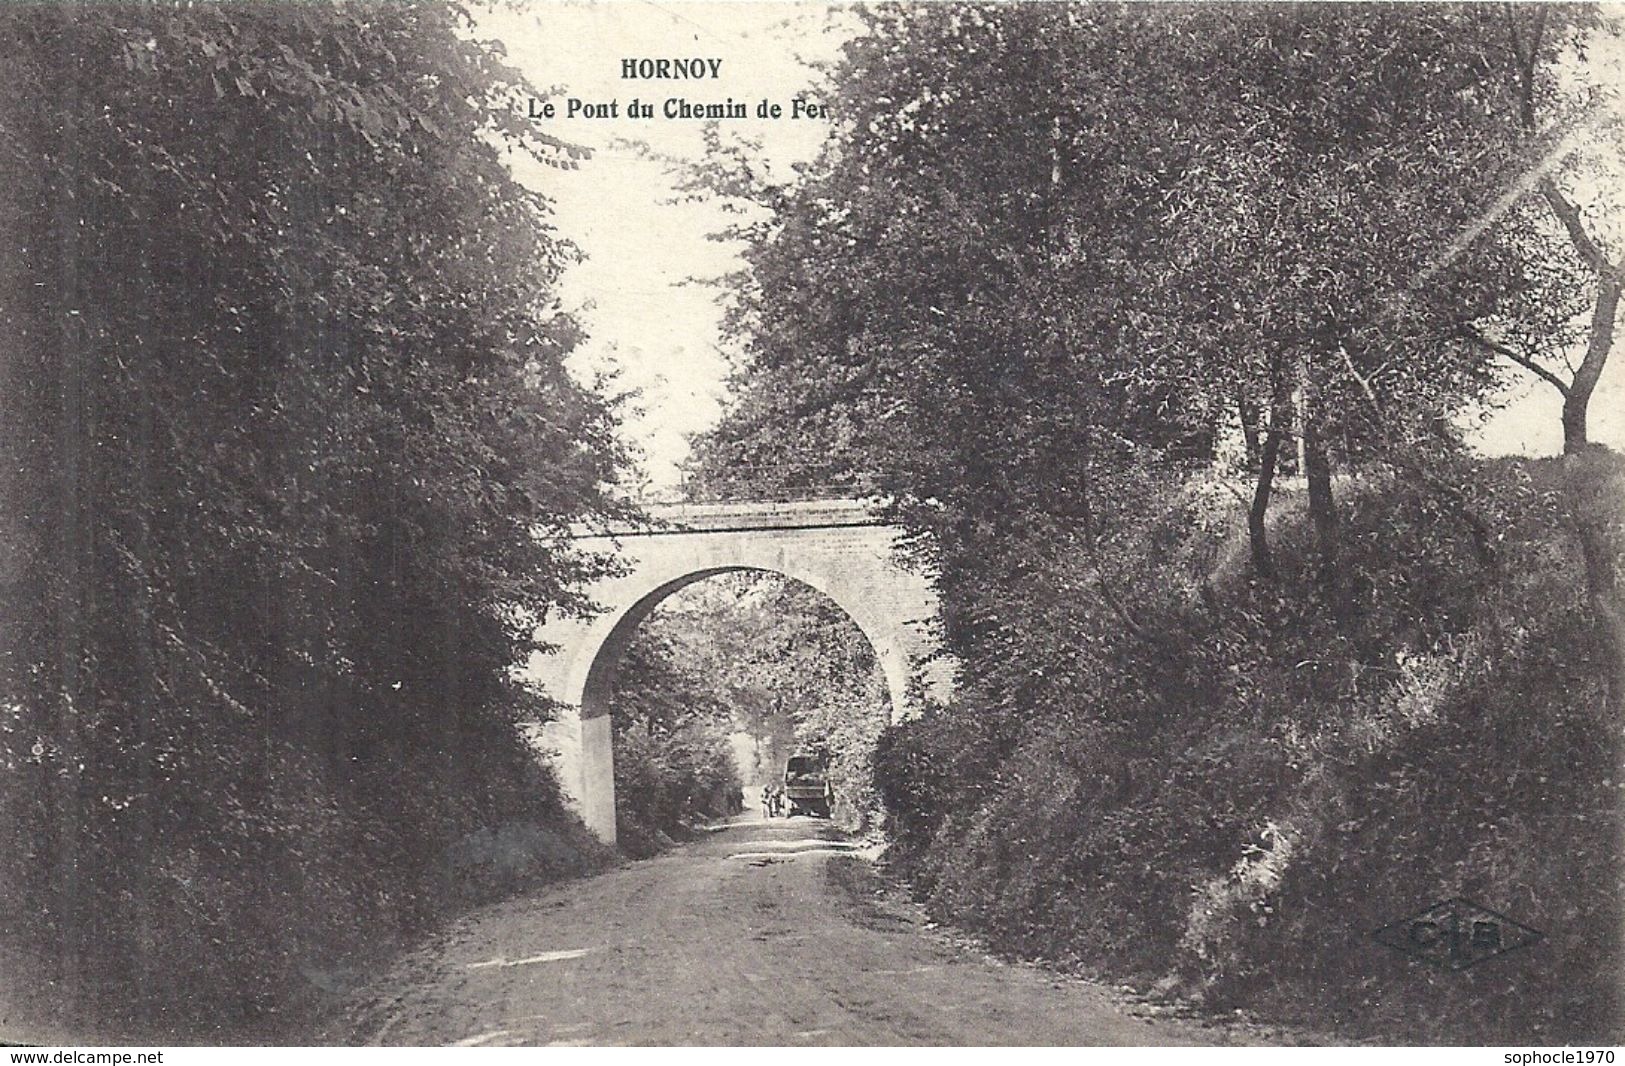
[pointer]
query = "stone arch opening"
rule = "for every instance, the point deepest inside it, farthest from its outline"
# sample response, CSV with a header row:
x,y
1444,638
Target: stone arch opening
x,y
599,754
836,547
600,679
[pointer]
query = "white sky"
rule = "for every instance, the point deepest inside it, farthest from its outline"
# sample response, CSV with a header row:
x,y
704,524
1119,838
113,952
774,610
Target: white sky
x,y
661,333
643,319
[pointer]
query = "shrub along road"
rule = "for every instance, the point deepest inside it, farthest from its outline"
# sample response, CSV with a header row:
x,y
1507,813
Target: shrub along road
x,y
761,933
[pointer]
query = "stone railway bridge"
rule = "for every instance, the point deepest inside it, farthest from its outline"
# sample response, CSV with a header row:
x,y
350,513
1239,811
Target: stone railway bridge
x,y
839,547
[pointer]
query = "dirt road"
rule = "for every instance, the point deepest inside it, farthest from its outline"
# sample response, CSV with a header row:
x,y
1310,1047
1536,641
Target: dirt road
x,y
763,933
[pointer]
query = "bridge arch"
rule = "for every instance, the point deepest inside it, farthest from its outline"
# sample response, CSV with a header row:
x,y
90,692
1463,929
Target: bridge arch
x,y
600,679
837,547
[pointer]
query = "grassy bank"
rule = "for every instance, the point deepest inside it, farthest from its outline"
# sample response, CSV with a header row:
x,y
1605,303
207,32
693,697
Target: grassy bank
x,y
239,923
1218,787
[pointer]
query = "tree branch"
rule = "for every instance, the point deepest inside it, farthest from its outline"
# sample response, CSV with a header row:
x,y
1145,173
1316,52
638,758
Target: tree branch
x,y
1469,333
1569,215
1483,543
1155,640
1523,63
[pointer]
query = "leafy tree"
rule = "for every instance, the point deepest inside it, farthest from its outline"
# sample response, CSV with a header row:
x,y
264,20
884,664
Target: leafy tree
x,y
1047,242
674,764
1563,235
289,452
1561,231
1050,256
1340,161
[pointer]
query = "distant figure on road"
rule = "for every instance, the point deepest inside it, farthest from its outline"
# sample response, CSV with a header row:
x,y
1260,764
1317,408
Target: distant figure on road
x,y
807,787
768,801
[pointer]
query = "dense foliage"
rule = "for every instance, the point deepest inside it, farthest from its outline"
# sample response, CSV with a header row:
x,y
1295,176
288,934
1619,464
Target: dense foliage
x,y
1225,799
811,685
763,658
674,764
288,450
1157,327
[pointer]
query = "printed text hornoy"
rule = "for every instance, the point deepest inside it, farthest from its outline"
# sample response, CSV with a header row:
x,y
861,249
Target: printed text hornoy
x,y
649,69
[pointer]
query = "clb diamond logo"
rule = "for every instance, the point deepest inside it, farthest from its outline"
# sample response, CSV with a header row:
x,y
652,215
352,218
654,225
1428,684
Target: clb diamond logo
x,y
1456,933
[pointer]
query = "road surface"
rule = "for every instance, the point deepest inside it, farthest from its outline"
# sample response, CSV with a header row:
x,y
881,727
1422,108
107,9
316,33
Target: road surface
x,y
764,932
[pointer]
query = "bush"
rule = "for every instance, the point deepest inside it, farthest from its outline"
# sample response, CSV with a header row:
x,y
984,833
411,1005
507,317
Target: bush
x,y
666,784
1231,784
674,765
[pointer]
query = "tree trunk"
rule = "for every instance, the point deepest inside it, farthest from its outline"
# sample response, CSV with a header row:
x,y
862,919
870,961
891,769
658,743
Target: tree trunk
x,y
1578,397
1322,508
1257,536
1249,432
1592,521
